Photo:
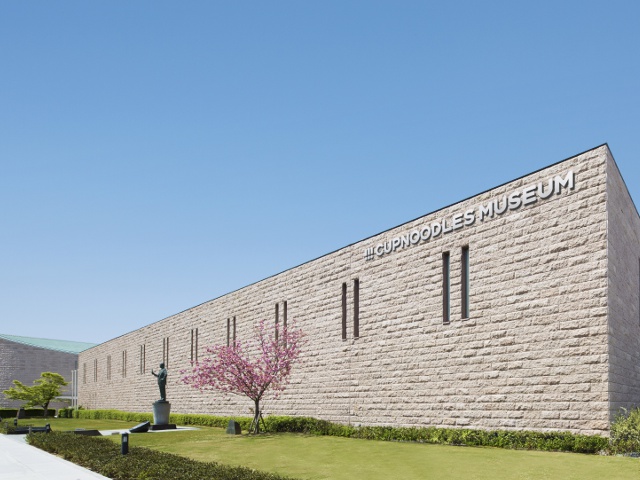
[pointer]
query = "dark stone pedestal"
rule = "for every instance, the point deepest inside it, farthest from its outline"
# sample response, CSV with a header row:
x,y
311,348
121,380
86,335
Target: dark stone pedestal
x,y
167,426
161,413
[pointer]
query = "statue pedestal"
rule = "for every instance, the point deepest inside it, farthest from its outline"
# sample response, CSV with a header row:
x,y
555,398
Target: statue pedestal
x,y
161,412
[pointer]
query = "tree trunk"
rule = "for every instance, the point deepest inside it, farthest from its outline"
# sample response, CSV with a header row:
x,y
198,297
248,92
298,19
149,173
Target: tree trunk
x,y
255,424
46,409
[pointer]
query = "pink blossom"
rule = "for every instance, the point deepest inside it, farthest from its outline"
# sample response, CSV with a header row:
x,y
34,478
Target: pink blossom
x,y
230,368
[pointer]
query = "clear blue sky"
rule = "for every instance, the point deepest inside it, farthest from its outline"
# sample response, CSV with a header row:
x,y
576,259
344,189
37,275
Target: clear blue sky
x,y
155,155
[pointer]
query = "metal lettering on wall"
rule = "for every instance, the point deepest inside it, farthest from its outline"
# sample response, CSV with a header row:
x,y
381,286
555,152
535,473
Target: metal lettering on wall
x,y
520,198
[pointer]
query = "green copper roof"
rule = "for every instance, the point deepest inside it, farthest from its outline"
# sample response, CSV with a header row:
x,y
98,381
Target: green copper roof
x,y
66,346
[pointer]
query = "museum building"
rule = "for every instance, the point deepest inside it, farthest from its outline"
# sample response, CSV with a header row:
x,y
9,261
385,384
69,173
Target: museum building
x,y
26,358
517,308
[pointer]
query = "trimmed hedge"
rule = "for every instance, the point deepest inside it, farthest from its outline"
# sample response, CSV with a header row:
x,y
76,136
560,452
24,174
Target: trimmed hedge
x,y
29,412
519,439
103,456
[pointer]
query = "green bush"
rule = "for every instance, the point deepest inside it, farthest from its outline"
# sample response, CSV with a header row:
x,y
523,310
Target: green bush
x,y
625,432
29,412
65,413
6,427
68,412
8,412
103,456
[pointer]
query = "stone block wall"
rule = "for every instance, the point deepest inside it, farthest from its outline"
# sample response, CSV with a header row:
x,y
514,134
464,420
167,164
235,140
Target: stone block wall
x,y
532,354
25,363
624,293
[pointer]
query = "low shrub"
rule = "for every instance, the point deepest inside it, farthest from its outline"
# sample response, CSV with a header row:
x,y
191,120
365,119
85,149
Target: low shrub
x,y
29,412
7,428
510,439
65,413
8,412
103,456
625,431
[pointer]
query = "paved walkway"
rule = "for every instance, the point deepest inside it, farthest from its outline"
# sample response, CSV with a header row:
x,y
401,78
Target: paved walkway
x,y
20,461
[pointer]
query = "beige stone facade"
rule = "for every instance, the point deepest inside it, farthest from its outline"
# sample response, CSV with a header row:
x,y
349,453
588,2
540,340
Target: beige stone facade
x,y
550,341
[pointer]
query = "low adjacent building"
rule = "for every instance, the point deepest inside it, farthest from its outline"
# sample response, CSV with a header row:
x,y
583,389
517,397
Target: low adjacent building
x,y
517,308
25,358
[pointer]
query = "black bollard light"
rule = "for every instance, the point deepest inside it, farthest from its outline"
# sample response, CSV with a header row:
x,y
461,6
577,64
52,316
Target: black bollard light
x,y
125,443
15,422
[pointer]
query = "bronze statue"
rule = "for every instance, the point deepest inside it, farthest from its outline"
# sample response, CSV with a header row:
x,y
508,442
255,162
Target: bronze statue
x,y
162,381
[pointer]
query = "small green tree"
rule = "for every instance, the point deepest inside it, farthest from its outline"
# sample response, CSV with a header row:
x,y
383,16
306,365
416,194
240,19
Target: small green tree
x,y
44,389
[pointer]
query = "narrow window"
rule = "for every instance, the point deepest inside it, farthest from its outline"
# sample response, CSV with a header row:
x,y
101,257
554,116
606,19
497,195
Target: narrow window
x,y
166,358
164,349
277,319
445,288
228,330
344,311
194,345
95,370
108,367
234,331
124,364
84,373
284,314
356,308
140,367
464,287
144,358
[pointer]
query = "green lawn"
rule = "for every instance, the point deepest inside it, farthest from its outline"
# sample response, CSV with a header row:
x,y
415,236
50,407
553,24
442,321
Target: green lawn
x,y
315,457
62,424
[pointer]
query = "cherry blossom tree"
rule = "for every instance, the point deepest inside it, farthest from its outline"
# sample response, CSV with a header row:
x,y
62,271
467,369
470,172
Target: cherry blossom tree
x,y
261,366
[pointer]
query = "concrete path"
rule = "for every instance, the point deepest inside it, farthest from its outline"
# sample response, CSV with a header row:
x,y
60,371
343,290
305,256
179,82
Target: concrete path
x,y
20,461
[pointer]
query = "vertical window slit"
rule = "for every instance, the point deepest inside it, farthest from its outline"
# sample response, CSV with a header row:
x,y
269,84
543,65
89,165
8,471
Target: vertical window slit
x,y
344,311
234,331
284,314
228,331
446,289
464,287
356,308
